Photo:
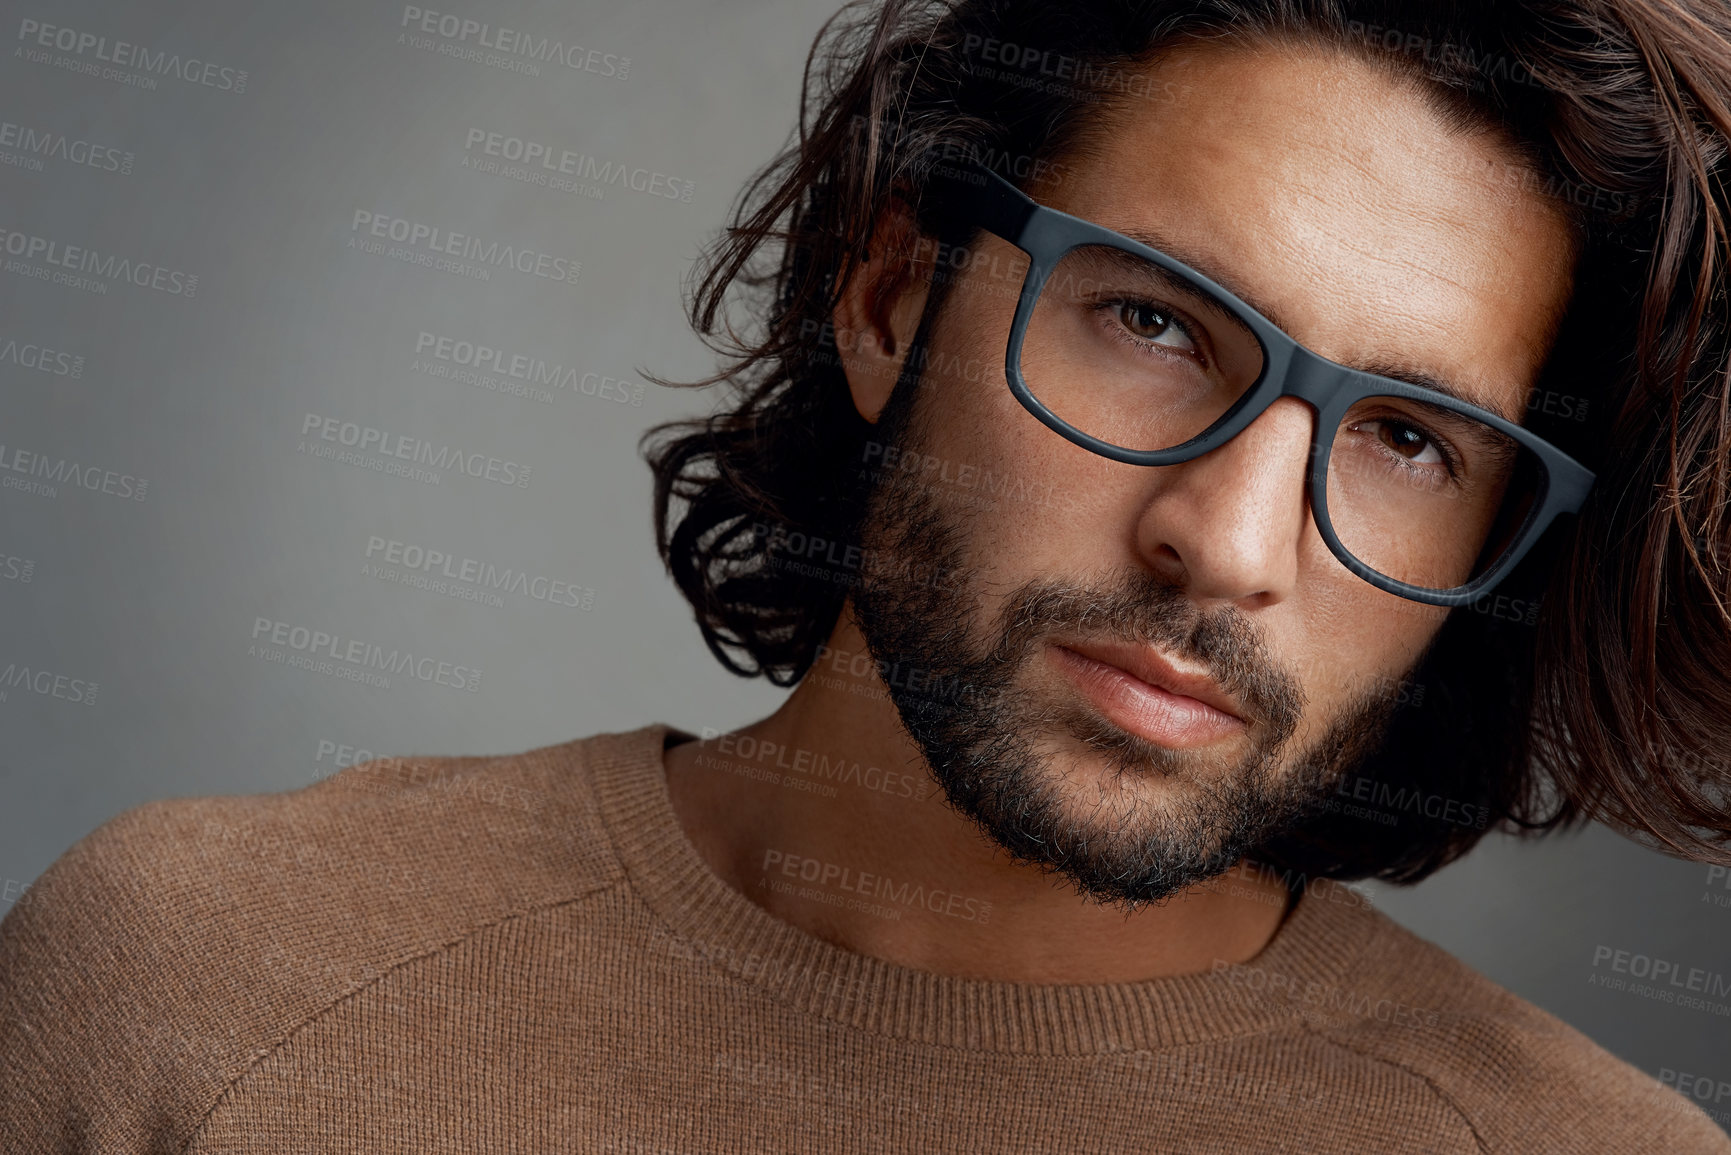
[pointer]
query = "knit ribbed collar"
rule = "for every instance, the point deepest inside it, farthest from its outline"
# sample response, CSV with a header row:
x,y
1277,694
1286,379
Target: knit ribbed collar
x,y
1317,943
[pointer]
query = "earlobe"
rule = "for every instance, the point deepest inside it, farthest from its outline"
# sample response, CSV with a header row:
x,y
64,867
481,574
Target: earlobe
x,y
878,312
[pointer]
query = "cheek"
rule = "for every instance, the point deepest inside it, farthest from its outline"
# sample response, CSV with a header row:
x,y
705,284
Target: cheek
x,y
965,396
1354,637
990,464
1034,505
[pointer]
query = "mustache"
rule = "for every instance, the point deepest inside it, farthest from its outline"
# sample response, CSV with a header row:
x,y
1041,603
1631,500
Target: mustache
x,y
1137,608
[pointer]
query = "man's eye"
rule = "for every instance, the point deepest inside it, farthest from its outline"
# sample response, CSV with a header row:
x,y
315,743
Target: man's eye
x,y
1408,441
1150,322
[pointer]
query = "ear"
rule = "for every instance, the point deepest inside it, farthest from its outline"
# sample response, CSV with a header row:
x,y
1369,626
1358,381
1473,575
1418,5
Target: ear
x,y
879,309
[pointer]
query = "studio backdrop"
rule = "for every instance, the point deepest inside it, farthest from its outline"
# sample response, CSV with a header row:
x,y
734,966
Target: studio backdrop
x,y
323,333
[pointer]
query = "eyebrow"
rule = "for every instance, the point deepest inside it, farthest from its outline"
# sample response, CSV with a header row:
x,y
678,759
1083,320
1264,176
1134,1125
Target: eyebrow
x,y
1375,366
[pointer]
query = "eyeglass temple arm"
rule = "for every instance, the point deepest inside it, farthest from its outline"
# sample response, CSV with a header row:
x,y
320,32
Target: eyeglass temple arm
x,y
968,193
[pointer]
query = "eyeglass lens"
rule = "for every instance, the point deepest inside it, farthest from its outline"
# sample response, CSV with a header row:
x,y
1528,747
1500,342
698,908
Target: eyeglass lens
x,y
1133,355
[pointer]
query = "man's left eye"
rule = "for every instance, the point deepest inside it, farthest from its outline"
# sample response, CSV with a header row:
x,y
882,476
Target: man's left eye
x,y
1152,323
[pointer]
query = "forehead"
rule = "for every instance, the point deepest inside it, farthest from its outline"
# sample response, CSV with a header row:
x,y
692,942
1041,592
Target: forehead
x,y
1334,195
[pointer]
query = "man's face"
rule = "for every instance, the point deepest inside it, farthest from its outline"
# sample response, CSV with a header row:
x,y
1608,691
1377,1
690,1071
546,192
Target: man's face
x,y
1335,198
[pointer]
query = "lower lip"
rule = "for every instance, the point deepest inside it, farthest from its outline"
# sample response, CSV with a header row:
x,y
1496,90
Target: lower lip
x,y
1147,711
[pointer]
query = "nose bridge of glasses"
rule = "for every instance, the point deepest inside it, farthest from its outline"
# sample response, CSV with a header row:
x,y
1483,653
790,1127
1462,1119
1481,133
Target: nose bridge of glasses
x,y
1305,375
1290,370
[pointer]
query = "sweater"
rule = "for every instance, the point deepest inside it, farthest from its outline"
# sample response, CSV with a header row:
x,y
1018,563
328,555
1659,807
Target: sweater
x,y
525,954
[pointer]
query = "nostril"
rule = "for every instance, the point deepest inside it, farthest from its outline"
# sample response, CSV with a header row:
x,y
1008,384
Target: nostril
x,y
1168,565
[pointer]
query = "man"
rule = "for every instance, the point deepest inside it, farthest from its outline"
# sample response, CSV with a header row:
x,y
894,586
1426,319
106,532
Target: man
x,y
1142,414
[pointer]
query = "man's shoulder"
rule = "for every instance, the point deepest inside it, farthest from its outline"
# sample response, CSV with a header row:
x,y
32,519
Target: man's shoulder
x,y
189,936
1524,1080
393,853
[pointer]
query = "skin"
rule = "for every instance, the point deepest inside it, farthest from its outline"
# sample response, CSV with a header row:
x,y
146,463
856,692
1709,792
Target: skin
x,y
1331,194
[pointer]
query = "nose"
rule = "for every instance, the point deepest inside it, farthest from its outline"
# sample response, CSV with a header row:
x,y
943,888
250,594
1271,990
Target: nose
x,y
1228,526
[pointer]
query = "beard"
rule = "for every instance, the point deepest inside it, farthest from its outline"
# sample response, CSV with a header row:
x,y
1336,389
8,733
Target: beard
x,y
1002,751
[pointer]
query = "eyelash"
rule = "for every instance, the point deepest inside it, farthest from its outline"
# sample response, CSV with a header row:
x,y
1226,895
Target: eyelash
x,y
1189,329
1451,460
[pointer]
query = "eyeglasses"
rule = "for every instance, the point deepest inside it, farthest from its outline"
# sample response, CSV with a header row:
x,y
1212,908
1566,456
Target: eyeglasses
x,y
1134,355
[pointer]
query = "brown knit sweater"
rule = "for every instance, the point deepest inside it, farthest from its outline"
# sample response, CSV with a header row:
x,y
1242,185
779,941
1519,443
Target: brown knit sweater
x,y
524,954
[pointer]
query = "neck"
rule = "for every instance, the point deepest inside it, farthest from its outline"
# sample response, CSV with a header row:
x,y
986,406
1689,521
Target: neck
x,y
826,815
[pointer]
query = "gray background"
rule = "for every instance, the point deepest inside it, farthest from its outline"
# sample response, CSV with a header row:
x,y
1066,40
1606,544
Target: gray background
x,y
155,600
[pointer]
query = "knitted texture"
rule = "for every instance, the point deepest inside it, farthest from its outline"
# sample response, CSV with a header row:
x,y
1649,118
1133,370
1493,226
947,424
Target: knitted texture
x,y
525,954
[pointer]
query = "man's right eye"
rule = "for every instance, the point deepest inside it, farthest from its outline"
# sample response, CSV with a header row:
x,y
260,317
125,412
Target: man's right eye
x,y
1155,324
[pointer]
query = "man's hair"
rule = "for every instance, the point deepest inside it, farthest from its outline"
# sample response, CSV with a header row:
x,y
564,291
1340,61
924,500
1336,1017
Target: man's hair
x,y
1596,683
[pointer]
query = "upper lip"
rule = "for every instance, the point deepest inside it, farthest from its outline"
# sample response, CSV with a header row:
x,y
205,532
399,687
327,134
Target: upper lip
x,y
1152,667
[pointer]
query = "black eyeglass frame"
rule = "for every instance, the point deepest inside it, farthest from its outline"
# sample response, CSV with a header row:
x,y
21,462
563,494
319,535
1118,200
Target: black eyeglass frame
x,y
977,197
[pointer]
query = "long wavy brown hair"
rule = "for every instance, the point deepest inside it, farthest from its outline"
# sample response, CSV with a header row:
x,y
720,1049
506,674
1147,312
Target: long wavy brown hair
x,y
1599,685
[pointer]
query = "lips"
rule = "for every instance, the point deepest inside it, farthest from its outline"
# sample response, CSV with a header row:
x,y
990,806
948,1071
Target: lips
x,y
1148,665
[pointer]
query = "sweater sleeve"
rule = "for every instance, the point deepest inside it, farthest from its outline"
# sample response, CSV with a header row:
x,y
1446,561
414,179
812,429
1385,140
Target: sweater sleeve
x,y
102,1039
1527,1082
172,949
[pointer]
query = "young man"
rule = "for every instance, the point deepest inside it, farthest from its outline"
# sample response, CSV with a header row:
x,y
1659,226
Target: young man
x,y
1141,423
